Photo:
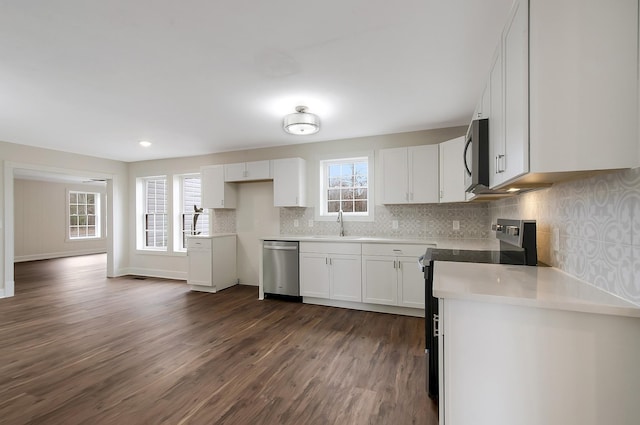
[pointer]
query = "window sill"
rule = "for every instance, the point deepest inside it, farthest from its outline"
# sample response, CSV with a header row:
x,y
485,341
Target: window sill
x,y
347,218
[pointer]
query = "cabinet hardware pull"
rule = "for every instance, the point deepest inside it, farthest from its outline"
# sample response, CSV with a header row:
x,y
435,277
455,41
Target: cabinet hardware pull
x,y
500,168
436,325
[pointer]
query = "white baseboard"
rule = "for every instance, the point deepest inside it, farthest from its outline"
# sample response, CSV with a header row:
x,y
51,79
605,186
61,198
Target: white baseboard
x,y
52,255
163,274
2,293
378,308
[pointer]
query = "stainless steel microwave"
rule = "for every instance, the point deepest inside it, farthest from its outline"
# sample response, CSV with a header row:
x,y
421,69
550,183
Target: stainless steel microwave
x,y
476,156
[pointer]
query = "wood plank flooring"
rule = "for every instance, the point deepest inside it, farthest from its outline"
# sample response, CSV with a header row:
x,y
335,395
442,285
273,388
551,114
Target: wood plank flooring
x,y
78,348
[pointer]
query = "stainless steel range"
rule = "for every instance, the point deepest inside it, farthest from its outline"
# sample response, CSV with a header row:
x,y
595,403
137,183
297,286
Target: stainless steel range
x,y
517,247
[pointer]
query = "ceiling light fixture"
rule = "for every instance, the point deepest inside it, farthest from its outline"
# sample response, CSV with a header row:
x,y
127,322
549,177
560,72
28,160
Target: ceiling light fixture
x,y
145,144
301,123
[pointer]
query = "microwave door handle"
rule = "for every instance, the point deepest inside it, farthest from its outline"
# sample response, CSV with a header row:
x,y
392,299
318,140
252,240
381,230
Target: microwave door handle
x,y
464,156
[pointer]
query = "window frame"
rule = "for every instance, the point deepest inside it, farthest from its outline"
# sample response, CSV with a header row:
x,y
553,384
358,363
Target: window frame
x,y
179,213
142,204
97,214
321,212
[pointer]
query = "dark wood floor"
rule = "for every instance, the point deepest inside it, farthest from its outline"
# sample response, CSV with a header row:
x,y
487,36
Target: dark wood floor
x,y
77,348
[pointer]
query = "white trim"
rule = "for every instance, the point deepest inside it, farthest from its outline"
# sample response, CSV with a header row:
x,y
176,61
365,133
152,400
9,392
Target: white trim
x,y
9,222
2,293
370,215
163,274
98,216
51,255
378,308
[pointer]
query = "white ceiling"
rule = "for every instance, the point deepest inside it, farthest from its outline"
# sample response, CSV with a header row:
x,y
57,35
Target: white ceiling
x,y
203,76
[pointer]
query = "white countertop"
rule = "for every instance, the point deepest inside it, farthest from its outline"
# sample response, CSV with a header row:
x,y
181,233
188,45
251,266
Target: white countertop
x,y
440,243
542,287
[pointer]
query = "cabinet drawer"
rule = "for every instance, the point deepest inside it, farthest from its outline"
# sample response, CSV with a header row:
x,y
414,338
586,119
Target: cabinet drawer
x,y
198,244
331,247
413,250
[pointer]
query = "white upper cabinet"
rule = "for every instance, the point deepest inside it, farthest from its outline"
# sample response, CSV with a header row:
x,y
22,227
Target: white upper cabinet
x,y
216,193
496,117
563,101
289,182
410,175
514,161
248,171
452,170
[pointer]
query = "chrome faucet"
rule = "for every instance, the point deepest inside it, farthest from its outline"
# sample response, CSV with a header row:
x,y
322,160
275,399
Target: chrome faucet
x,y
341,221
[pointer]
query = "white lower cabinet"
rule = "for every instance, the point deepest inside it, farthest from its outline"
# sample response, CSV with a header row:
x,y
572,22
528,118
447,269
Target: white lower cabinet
x,y
391,276
331,271
392,281
372,274
410,282
212,262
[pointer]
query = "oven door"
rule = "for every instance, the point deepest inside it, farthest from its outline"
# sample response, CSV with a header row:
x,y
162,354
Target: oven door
x,y
431,341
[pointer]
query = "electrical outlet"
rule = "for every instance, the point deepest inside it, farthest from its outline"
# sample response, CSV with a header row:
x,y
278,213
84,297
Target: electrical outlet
x,y
296,223
394,224
310,223
456,225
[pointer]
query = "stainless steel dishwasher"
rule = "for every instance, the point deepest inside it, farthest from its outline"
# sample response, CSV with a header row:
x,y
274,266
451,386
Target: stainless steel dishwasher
x,y
280,272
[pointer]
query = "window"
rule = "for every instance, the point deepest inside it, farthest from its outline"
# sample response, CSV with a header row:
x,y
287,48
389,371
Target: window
x,y
194,220
155,212
345,184
84,215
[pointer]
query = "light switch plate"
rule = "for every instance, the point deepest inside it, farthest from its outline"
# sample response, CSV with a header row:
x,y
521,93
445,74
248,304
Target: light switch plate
x,y
394,224
296,223
456,225
310,223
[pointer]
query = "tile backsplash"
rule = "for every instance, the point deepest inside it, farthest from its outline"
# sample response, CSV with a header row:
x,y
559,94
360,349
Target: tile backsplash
x,y
223,221
414,222
597,224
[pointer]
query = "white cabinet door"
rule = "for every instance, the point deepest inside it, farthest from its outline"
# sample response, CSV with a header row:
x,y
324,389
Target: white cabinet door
x,y
379,280
246,171
346,277
289,182
423,174
216,193
452,171
485,110
258,170
395,183
496,118
199,268
410,175
516,100
410,283
314,275
234,172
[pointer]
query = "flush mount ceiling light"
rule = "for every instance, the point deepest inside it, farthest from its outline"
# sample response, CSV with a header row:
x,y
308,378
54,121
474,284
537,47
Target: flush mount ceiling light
x,y
302,122
145,143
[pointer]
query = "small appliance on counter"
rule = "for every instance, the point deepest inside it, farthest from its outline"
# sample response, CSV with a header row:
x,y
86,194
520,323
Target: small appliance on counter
x,y
517,247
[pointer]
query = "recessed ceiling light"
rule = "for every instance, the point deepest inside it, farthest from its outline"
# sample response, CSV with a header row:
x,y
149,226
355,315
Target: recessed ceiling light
x,y
145,144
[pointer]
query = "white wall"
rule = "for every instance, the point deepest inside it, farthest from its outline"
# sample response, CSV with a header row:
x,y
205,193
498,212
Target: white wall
x,y
40,221
255,217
